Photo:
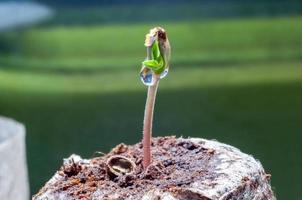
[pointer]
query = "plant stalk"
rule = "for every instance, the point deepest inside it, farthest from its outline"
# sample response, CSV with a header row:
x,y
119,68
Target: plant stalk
x,y
148,117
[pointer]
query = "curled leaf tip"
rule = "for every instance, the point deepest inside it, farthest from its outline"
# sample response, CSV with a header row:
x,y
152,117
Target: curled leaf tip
x,y
153,35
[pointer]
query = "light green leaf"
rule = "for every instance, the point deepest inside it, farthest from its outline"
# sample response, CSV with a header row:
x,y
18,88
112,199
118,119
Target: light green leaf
x,y
152,64
155,50
161,65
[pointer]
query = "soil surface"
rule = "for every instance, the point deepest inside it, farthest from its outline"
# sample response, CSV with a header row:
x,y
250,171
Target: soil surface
x,y
177,163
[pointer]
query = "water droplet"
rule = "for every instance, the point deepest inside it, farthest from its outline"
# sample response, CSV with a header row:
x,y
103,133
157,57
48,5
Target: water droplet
x,y
164,73
148,77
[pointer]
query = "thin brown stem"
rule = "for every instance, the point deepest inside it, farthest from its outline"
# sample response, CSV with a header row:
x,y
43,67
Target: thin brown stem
x,y
148,121
148,117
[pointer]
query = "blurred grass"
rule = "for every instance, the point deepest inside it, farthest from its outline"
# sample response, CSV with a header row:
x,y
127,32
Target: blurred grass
x,y
205,42
238,81
157,11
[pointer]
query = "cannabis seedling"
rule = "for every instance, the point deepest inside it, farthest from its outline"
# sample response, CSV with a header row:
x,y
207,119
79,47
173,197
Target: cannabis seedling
x,y
154,68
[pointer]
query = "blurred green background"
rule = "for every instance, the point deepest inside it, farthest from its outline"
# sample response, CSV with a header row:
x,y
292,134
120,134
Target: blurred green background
x,y
236,76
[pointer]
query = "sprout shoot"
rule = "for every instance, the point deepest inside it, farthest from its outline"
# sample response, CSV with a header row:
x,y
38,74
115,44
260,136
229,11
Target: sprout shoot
x,y
154,68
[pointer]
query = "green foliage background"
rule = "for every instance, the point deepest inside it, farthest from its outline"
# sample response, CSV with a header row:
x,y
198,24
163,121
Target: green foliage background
x,y
237,80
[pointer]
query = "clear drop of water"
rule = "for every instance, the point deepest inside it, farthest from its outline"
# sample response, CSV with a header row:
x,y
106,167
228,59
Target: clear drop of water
x,y
164,73
148,77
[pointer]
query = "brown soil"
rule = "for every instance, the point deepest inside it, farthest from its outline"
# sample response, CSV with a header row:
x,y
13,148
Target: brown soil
x,y
175,163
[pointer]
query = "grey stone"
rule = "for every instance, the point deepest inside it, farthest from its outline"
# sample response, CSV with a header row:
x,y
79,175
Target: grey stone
x,y
13,169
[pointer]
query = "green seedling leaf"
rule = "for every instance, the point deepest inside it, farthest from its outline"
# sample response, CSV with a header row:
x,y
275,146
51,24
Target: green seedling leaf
x,y
155,50
152,64
161,64
157,64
